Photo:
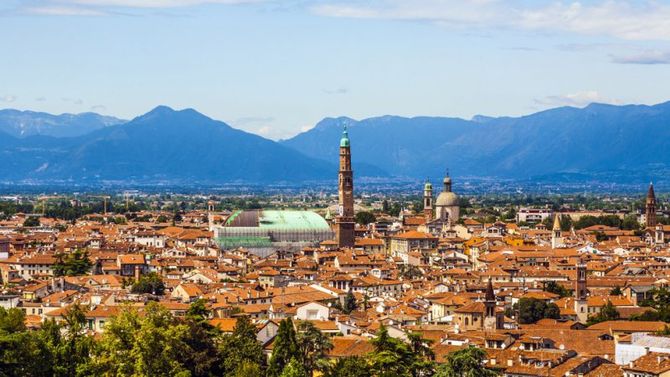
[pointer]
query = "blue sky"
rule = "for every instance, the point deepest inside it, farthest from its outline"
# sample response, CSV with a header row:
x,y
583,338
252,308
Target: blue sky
x,y
277,67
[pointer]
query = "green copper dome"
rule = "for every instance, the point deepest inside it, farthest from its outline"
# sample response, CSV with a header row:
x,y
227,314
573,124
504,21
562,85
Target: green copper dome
x,y
344,141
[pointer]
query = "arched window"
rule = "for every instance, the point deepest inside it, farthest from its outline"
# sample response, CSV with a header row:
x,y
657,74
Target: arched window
x,y
467,322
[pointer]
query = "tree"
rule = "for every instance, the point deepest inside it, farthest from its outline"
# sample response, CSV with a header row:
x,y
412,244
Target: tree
x,y
349,303
68,344
465,362
154,344
285,348
365,218
201,356
391,357
31,221
72,264
149,283
294,369
22,352
248,369
423,364
616,291
607,313
241,349
532,310
630,223
312,346
353,366
554,287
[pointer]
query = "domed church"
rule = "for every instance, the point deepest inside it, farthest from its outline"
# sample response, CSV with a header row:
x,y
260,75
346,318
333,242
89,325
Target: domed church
x,y
446,205
444,212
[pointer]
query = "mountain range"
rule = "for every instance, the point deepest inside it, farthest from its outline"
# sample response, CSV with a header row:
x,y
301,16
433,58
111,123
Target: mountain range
x,y
186,146
631,139
163,145
28,123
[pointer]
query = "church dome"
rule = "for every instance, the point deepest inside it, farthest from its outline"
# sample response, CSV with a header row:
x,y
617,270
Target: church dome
x,y
447,198
344,141
428,186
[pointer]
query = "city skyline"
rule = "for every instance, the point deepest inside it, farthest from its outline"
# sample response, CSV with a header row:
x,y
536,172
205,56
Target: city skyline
x,y
277,68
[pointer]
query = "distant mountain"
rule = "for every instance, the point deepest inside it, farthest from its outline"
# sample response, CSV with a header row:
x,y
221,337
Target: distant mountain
x,y
598,138
599,142
29,123
165,145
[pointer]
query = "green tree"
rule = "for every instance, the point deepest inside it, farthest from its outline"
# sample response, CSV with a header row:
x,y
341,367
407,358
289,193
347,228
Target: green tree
x,y
616,291
285,348
424,356
68,344
248,369
465,362
630,223
349,303
294,369
607,313
390,357
31,221
154,344
365,218
313,346
532,310
149,283
22,353
201,355
353,366
554,287
241,349
72,264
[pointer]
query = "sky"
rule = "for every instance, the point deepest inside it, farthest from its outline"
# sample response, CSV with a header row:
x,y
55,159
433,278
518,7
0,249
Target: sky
x,y
276,68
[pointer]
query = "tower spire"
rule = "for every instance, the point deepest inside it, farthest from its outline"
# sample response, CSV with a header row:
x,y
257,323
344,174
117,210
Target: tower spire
x,y
344,223
650,207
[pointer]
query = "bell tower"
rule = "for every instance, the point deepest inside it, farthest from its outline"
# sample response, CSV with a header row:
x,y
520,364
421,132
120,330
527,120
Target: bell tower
x,y
344,223
428,201
581,304
650,207
556,231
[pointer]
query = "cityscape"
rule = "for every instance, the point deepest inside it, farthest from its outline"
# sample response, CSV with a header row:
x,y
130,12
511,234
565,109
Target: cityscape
x,y
356,215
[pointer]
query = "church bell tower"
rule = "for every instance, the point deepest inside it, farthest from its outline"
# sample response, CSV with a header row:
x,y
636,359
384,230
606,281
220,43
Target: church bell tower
x,y
344,223
428,201
650,207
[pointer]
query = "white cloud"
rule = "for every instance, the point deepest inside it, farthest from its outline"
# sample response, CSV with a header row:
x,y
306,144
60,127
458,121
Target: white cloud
x,y
155,3
62,10
624,19
644,57
104,7
579,99
8,98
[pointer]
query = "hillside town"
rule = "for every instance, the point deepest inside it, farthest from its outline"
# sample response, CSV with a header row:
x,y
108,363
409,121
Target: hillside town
x,y
546,292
